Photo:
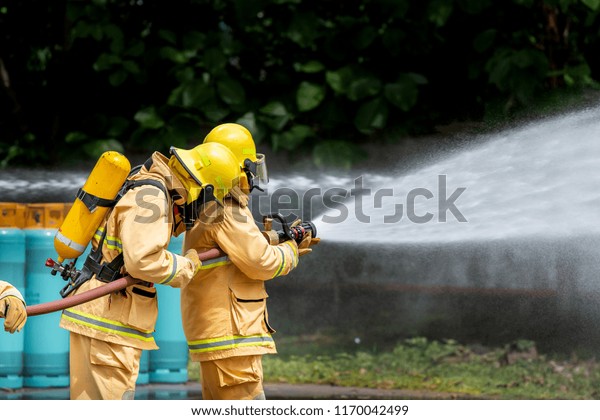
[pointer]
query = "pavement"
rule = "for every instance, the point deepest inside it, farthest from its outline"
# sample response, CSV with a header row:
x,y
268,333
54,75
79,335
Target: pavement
x,y
273,391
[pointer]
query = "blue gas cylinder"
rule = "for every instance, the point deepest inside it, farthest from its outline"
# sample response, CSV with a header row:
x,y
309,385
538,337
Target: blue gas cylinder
x,y
169,363
144,374
46,344
12,270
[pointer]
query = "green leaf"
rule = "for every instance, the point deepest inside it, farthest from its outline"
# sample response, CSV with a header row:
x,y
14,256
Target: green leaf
x,y
371,116
186,74
167,36
175,97
419,79
312,66
340,79
303,29
214,61
592,4
117,126
363,88
95,148
275,115
193,94
131,67
403,93
291,139
231,91
116,36
136,49
106,61
182,129
75,137
214,111
309,96
438,12
365,37
174,55
337,153
274,109
194,40
148,118
485,39
197,93
498,67
117,78
96,31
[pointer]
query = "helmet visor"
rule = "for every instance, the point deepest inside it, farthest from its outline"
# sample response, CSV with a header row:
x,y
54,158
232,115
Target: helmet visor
x,y
258,176
182,165
261,174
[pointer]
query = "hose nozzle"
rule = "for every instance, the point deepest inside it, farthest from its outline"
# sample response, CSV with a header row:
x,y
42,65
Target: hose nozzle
x,y
296,233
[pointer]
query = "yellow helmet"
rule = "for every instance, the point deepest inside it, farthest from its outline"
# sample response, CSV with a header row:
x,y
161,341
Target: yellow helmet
x,y
252,165
208,171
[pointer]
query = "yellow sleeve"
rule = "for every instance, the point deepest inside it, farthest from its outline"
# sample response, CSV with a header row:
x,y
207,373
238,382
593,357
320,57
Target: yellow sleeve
x,y
145,232
239,237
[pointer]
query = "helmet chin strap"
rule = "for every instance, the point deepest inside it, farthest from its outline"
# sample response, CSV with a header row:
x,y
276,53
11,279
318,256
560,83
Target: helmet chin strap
x,y
250,169
190,211
250,177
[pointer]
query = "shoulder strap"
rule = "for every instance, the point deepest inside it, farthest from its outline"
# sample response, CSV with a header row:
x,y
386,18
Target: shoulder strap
x,y
133,184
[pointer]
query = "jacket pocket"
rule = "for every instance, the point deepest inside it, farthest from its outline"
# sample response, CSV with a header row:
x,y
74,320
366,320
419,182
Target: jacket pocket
x,y
248,307
143,310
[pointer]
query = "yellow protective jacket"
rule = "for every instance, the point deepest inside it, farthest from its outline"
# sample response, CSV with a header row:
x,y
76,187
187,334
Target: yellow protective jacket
x,y
7,289
224,309
139,226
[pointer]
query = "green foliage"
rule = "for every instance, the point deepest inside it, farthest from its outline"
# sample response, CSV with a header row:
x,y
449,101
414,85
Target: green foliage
x,y
336,153
318,76
447,366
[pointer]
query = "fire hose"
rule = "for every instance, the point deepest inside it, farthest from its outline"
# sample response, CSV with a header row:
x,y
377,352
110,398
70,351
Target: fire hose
x,y
114,286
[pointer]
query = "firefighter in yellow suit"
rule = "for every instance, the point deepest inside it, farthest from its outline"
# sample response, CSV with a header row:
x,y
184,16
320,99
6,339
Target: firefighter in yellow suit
x,y
108,334
224,310
12,307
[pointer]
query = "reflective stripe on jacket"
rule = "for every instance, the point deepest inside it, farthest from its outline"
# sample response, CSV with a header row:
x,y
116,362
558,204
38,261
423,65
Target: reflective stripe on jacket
x,y
139,226
224,309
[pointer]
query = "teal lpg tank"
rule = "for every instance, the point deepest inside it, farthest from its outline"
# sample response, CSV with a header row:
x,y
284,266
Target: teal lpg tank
x,y
12,270
46,361
143,375
169,363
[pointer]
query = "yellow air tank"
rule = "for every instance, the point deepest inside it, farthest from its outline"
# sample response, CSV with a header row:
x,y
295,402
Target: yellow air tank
x,y
81,222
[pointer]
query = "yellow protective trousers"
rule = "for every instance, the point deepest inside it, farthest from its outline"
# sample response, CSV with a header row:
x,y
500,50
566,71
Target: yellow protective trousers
x,y
234,378
101,370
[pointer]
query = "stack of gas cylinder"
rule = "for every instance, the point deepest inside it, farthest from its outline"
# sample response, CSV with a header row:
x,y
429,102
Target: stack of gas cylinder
x,y
38,356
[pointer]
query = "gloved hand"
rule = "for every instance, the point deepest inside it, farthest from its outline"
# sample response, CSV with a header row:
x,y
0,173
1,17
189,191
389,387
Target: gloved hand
x,y
13,310
306,243
192,255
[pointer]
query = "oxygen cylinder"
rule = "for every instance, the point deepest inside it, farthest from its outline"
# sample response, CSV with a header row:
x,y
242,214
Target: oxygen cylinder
x,y
82,220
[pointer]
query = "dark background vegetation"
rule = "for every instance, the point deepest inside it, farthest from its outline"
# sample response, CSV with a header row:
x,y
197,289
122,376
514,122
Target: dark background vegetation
x,y
314,78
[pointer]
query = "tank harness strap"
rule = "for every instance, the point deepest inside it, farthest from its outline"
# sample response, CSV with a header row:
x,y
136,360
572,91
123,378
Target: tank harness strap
x,y
91,201
148,163
110,271
106,272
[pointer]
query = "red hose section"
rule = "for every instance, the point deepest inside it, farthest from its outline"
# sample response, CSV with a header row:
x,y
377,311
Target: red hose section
x,y
113,286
